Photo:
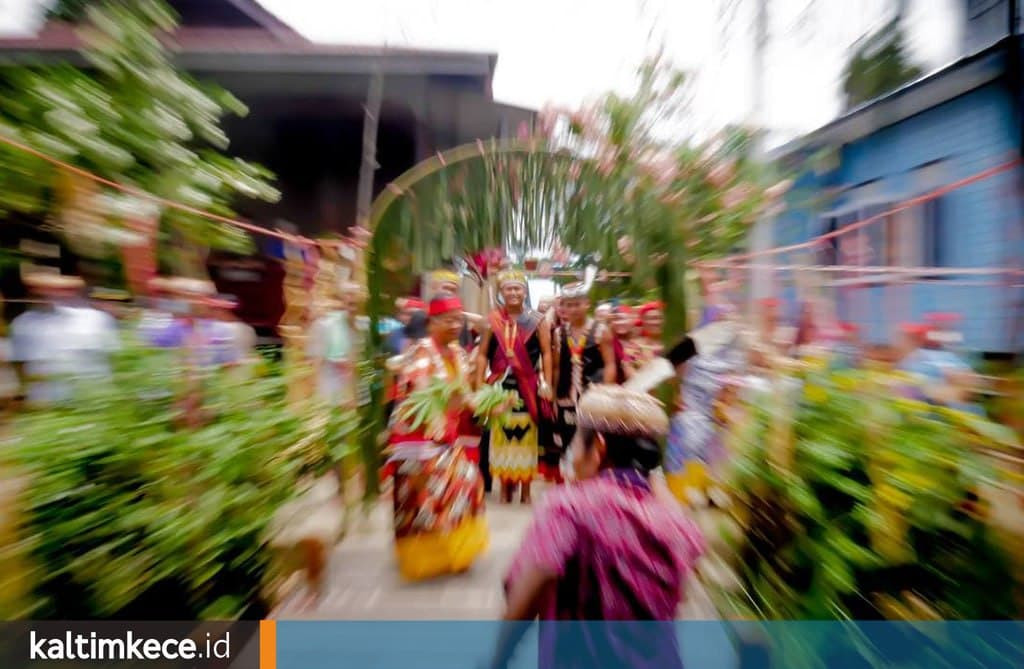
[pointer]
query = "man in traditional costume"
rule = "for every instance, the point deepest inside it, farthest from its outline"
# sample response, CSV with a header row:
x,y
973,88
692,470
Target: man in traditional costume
x,y
706,360
438,493
513,350
447,281
582,353
181,320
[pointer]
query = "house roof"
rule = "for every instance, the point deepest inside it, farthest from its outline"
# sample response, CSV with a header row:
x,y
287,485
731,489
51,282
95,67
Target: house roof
x,y
266,19
950,82
265,44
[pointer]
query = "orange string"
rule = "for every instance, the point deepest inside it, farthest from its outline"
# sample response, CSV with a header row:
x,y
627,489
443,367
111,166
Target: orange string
x,y
906,204
132,190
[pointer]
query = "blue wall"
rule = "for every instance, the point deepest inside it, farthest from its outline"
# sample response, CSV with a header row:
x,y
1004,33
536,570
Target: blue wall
x,y
981,222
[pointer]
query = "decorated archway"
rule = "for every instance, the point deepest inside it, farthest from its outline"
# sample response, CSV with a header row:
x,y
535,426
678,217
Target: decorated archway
x,y
638,215
599,193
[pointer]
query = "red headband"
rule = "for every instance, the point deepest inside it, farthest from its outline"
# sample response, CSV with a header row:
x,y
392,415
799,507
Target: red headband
x,y
651,306
624,310
942,318
443,305
915,329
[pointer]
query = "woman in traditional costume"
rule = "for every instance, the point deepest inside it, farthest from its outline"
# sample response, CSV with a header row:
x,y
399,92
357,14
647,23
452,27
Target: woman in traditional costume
x,y
582,353
513,352
652,320
695,448
438,492
628,355
608,548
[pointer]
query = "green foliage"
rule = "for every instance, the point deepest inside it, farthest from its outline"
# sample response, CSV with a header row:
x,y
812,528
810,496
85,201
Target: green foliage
x,y
876,515
427,408
492,405
129,516
878,66
606,183
134,118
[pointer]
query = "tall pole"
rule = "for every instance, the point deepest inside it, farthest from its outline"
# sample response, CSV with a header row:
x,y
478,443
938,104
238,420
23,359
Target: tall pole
x,y
756,117
761,281
372,414
371,112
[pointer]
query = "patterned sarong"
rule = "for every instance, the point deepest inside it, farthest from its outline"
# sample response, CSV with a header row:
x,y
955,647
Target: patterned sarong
x,y
514,450
438,513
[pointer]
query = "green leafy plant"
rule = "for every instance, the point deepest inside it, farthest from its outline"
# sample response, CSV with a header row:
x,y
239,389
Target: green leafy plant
x,y
877,511
492,405
127,516
427,408
132,117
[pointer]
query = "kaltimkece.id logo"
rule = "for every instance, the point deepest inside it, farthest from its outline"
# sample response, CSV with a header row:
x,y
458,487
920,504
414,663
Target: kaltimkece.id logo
x,y
92,646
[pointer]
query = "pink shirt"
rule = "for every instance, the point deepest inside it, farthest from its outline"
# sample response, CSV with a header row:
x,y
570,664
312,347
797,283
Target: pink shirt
x,y
619,552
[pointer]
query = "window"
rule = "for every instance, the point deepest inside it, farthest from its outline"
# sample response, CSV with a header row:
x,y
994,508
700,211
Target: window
x,y
900,238
933,232
929,216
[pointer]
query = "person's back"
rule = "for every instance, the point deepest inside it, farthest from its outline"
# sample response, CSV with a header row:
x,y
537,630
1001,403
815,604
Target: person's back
x,y
621,553
604,563
622,558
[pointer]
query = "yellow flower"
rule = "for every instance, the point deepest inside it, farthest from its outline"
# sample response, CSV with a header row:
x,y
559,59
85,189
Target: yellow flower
x,y
815,394
915,480
1016,477
911,405
844,382
893,498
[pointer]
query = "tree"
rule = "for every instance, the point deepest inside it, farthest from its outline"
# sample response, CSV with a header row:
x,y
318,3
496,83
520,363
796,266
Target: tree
x,y
879,64
607,182
134,118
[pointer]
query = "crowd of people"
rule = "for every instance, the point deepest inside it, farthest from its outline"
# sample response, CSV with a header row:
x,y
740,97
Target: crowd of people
x,y
68,334
612,539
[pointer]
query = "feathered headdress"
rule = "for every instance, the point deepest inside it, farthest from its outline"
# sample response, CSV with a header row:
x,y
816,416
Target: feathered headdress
x,y
511,276
575,291
444,276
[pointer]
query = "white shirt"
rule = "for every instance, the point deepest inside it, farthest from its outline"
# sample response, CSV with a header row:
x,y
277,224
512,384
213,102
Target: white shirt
x,y
329,341
67,341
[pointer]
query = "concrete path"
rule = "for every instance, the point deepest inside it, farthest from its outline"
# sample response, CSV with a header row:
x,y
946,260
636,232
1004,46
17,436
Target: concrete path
x,y
364,584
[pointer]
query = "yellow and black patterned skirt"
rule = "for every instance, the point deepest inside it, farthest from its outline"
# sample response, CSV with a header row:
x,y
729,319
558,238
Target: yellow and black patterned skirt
x,y
514,450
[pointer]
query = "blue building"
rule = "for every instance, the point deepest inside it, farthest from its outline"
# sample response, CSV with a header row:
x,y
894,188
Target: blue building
x,y
958,124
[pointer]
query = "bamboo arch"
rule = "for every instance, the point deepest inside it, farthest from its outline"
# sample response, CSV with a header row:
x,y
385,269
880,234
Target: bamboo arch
x,y
404,186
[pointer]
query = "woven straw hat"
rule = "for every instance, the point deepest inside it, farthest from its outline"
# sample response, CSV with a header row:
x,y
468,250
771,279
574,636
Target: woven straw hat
x,y
612,409
189,287
45,280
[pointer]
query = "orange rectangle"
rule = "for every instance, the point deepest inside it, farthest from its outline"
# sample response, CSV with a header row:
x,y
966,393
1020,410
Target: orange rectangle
x,y
268,644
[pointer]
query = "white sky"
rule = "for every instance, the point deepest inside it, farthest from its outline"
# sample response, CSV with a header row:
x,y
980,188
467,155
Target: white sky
x,y
566,52
569,51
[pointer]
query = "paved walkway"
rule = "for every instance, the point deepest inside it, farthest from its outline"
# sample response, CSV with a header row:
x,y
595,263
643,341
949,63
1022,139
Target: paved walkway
x,y
363,581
